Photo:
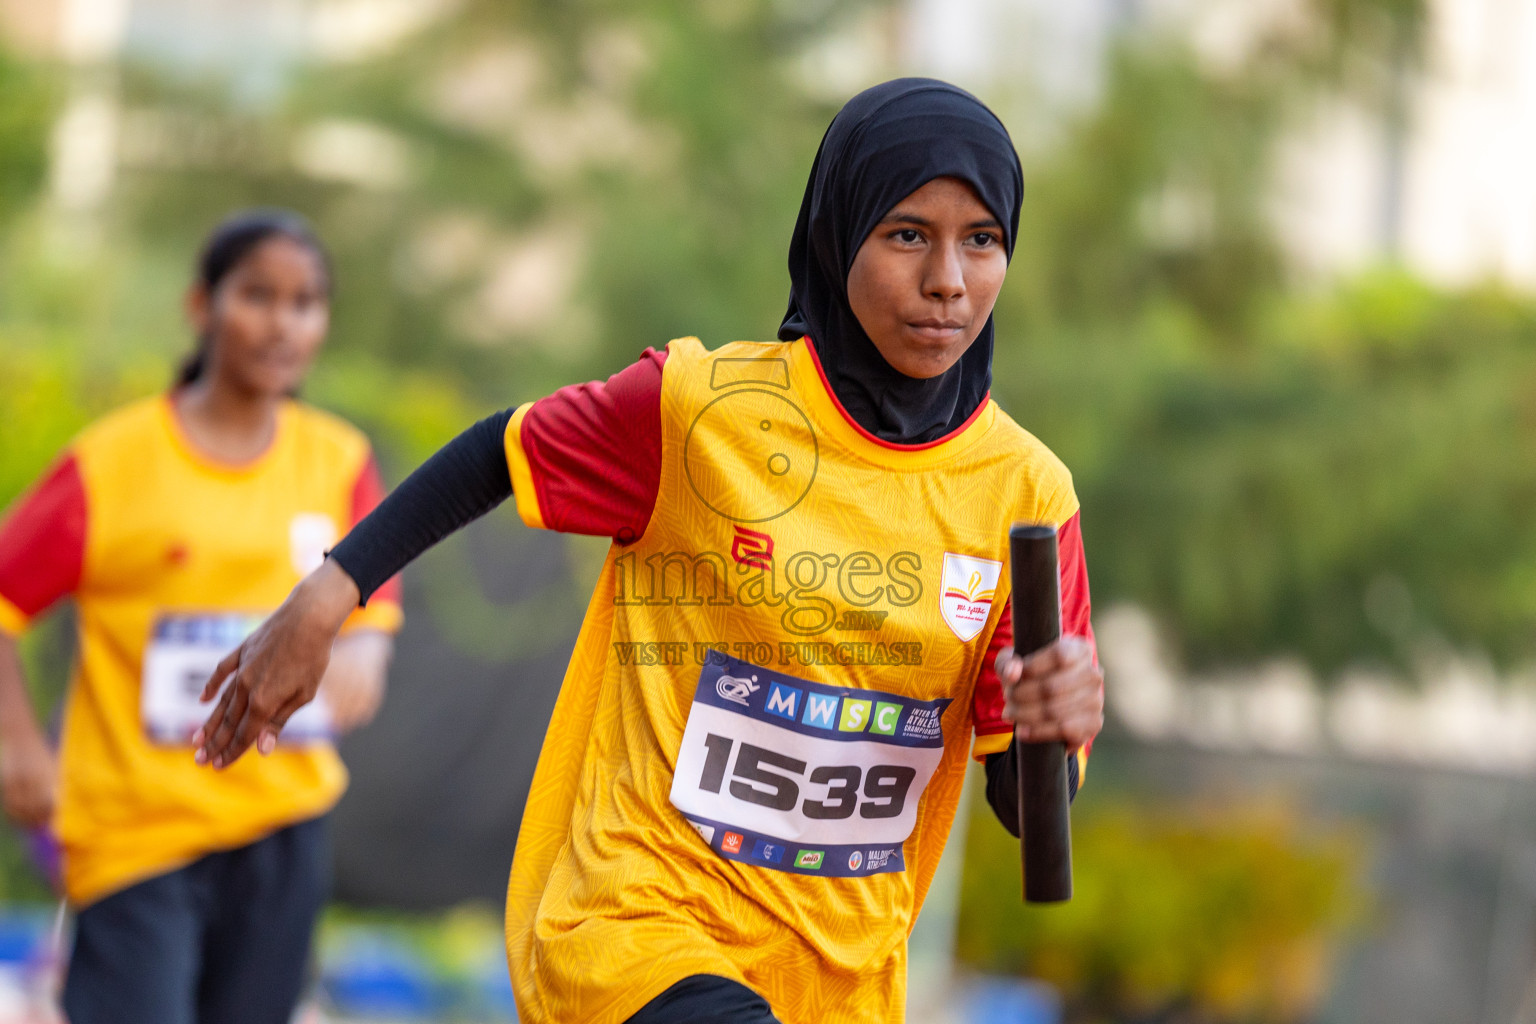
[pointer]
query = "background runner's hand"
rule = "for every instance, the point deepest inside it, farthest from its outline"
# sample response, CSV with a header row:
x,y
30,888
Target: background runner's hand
x,y
29,777
277,669
1057,693
353,685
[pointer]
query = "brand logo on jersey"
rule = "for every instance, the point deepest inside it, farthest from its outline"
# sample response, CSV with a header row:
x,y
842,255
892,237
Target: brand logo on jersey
x,y
752,548
736,690
854,860
731,842
879,858
770,852
965,593
310,535
810,860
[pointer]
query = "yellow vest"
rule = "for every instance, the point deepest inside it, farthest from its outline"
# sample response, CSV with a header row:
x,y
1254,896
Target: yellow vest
x,y
758,749
182,556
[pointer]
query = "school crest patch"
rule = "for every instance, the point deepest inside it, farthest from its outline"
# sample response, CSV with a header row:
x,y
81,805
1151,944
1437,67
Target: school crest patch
x,y
965,593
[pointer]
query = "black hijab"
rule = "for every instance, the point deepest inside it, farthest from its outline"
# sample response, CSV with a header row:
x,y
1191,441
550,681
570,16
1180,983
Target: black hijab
x,y
885,144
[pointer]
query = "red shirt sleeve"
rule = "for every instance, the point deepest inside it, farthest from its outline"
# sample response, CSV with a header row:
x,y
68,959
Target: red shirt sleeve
x,y
1076,612
367,492
42,545
594,452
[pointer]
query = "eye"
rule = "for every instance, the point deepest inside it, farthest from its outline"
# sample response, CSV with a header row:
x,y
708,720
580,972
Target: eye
x,y
907,236
983,239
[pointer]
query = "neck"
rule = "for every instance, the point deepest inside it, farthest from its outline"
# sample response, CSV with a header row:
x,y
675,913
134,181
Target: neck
x,y
227,423
894,408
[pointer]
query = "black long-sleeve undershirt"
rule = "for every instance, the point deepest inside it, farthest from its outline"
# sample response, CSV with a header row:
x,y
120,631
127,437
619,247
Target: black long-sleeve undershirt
x,y
467,478
463,481
1003,786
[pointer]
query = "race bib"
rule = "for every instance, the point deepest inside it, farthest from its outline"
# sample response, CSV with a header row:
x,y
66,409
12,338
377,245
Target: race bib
x,y
183,651
797,776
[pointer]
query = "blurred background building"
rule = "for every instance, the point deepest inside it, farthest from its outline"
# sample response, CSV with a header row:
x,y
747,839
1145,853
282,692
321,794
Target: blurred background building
x,y
1272,302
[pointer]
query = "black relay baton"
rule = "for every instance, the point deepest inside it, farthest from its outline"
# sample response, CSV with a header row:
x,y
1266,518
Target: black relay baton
x,y
1045,827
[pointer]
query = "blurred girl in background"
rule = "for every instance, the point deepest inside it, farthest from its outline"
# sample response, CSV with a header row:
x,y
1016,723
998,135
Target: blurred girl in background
x,y
177,524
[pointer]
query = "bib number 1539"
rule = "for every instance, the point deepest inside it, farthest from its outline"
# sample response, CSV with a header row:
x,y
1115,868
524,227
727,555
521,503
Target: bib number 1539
x,y
773,780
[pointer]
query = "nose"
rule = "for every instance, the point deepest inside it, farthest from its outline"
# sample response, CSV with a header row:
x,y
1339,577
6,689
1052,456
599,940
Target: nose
x,y
944,275
290,318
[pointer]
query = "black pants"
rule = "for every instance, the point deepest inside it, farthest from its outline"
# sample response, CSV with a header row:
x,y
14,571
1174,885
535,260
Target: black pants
x,y
224,940
705,999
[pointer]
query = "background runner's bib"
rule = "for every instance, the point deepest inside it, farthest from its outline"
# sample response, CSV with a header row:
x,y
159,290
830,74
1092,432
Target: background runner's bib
x,y
182,653
797,776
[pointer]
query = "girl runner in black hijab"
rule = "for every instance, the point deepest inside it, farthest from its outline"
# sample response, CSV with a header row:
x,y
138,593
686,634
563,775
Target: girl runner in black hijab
x,y
894,271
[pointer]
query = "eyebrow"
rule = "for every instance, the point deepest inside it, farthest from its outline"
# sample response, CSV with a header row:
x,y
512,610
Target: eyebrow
x,y
903,217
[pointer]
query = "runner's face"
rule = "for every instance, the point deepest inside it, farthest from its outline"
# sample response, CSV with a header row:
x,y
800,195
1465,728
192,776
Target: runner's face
x,y
926,279
267,318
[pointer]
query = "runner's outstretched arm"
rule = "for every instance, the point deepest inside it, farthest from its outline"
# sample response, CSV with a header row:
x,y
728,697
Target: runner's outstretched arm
x,y
278,668
28,769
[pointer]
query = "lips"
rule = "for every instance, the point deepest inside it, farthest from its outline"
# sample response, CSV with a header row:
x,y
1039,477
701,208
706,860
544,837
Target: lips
x,y
277,355
935,329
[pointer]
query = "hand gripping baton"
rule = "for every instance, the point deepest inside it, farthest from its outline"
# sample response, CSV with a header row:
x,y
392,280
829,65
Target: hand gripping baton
x,y
1045,827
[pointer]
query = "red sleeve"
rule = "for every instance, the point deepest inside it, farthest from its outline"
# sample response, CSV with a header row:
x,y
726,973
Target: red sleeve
x,y
1076,611
367,492
42,545
593,452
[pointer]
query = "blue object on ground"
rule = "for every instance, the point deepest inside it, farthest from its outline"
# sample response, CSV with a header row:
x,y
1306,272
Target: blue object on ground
x,y
379,979
22,936
1013,1001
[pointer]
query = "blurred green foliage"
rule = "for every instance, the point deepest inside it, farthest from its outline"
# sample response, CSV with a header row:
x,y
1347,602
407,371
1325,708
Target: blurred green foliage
x,y
1269,464
1350,491
665,148
25,118
1221,915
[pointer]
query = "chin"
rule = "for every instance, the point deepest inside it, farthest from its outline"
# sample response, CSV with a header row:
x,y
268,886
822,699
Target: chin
x,y
923,358
919,357
271,385
927,364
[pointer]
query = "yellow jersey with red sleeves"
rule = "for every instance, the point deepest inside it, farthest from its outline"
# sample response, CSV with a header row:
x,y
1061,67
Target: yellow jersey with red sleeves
x,y
172,558
759,745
